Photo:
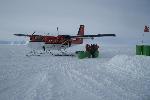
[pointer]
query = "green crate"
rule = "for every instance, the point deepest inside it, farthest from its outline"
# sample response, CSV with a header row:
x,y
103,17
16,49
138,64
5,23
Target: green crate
x,y
81,55
87,54
146,50
96,54
139,49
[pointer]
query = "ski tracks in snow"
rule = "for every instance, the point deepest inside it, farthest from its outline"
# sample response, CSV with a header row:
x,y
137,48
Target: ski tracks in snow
x,y
98,84
87,79
100,80
69,78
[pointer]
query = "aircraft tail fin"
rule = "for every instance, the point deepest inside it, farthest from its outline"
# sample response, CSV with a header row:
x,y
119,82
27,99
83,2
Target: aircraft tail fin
x,y
80,33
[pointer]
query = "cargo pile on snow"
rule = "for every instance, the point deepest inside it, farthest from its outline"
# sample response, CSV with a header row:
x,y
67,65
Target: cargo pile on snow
x,y
91,52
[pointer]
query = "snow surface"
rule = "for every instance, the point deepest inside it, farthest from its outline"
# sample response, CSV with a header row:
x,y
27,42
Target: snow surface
x,y
118,74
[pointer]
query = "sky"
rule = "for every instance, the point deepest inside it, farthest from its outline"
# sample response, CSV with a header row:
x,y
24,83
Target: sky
x,y
125,18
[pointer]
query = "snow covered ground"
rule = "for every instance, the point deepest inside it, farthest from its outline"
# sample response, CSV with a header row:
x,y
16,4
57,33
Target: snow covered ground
x,y
118,74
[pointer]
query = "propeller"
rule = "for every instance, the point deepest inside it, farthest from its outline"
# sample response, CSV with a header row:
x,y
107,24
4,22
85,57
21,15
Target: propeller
x,y
33,32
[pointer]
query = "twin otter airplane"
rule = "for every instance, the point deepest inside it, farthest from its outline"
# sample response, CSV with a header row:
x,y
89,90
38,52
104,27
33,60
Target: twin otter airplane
x,y
60,42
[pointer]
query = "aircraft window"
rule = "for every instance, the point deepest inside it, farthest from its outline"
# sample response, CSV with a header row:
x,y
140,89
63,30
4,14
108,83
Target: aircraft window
x,y
39,38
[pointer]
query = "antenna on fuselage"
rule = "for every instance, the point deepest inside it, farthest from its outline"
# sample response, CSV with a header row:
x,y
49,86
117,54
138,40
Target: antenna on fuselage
x,y
57,31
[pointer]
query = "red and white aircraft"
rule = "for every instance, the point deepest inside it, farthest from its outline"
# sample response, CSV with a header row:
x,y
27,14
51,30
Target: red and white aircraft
x,y
60,42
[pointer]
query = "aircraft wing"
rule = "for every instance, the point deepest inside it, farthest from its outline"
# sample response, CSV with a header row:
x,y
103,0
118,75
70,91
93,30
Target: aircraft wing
x,y
21,35
25,35
92,36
